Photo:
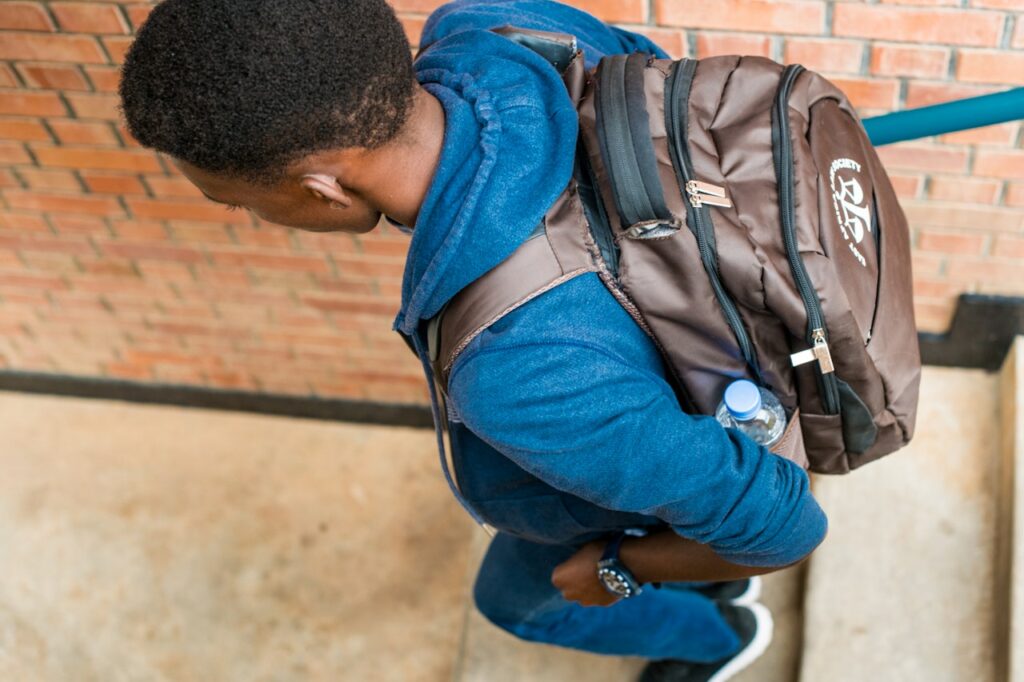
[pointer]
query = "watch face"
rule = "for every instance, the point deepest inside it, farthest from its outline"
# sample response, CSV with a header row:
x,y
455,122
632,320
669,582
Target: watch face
x,y
615,582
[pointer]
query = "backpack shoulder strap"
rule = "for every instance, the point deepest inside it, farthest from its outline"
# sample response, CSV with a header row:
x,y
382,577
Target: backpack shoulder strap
x,y
558,251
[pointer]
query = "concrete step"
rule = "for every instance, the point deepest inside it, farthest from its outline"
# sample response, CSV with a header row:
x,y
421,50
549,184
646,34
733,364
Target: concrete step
x,y
1010,539
905,587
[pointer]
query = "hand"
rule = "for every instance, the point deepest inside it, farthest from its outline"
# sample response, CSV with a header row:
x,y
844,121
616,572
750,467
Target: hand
x,y
576,577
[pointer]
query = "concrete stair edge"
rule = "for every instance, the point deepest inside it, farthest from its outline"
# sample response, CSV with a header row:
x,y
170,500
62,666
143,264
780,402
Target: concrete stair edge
x,y
1009,566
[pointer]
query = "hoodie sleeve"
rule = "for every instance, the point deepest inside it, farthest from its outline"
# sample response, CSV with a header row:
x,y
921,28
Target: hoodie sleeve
x,y
594,36
588,423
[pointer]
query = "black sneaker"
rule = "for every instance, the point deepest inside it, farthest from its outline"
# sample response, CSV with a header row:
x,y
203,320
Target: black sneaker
x,y
738,592
754,626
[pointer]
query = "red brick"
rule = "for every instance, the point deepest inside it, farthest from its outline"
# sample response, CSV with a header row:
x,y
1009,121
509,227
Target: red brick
x,y
24,16
117,47
957,216
924,3
104,78
97,159
918,157
964,189
1018,35
944,241
909,60
54,48
63,203
138,14
7,179
907,186
73,131
1004,134
95,106
53,76
173,187
397,248
743,15
79,224
145,251
421,6
164,209
933,315
22,222
272,261
1007,246
999,164
125,370
1014,194
836,56
89,17
140,230
38,178
12,153
269,235
22,103
933,287
986,269
200,233
903,24
32,281
712,44
614,11
869,93
673,41
999,4
7,79
349,304
366,266
990,66
25,129
113,184
921,94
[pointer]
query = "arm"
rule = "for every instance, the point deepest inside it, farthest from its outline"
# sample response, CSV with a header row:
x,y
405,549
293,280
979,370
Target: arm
x,y
660,557
591,424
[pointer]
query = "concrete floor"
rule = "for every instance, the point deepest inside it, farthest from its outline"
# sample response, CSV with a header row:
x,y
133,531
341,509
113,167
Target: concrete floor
x,y
151,544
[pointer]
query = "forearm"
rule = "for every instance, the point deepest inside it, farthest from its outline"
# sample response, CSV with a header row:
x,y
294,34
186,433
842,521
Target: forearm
x,y
665,556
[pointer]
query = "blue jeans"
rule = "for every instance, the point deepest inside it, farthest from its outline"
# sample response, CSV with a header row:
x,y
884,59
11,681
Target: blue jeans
x,y
513,590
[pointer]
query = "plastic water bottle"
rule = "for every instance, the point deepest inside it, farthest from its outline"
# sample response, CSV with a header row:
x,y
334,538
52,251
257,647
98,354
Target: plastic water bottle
x,y
753,410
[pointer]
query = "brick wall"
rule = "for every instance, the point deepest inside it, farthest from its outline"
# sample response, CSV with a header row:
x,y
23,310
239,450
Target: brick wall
x,y
112,265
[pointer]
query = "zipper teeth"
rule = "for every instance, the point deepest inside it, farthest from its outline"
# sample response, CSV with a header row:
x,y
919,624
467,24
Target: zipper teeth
x,y
784,173
680,150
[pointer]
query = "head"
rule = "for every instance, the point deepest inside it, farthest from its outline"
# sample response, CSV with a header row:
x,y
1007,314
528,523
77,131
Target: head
x,y
292,109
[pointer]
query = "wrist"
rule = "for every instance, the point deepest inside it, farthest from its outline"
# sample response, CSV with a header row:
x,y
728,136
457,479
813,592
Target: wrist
x,y
613,574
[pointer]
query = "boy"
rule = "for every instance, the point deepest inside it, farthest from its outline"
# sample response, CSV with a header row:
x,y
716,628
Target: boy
x,y
564,429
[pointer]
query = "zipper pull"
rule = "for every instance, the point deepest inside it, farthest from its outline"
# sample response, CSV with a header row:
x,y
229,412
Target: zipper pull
x,y
819,352
705,193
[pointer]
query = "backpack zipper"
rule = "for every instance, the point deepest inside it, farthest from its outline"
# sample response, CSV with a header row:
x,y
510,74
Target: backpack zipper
x,y
698,196
817,334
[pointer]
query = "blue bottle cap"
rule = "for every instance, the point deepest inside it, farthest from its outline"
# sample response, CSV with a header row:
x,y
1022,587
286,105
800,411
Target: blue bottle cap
x,y
743,399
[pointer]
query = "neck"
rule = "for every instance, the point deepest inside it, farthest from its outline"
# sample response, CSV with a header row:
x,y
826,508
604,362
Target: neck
x,y
404,179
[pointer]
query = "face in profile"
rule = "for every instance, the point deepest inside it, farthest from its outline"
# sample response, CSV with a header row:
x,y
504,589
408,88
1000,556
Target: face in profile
x,y
295,201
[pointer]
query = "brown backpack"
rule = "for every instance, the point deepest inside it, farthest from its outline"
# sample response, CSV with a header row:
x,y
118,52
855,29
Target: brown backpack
x,y
737,210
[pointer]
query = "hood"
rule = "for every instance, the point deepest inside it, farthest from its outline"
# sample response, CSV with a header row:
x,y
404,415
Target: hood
x,y
510,134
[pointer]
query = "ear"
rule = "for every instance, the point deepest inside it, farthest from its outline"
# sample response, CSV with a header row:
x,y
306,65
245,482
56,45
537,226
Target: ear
x,y
326,187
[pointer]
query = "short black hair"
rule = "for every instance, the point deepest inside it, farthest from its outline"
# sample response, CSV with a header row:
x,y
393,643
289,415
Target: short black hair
x,y
245,87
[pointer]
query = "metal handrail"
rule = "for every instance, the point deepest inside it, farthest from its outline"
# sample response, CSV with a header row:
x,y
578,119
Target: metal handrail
x,y
949,117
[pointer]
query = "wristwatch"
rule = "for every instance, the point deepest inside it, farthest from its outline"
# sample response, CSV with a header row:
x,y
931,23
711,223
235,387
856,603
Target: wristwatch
x,y
615,577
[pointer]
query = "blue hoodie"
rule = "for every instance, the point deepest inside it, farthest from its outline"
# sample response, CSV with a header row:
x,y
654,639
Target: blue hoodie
x,y
563,426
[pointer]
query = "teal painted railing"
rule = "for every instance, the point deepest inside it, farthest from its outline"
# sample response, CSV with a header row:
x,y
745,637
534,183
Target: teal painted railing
x,y
949,117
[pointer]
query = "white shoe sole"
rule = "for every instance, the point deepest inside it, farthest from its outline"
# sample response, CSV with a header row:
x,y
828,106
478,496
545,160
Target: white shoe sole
x,y
753,651
752,594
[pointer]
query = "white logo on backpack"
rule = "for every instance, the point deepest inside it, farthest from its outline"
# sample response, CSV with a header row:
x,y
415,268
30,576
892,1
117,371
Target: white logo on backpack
x,y
847,196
